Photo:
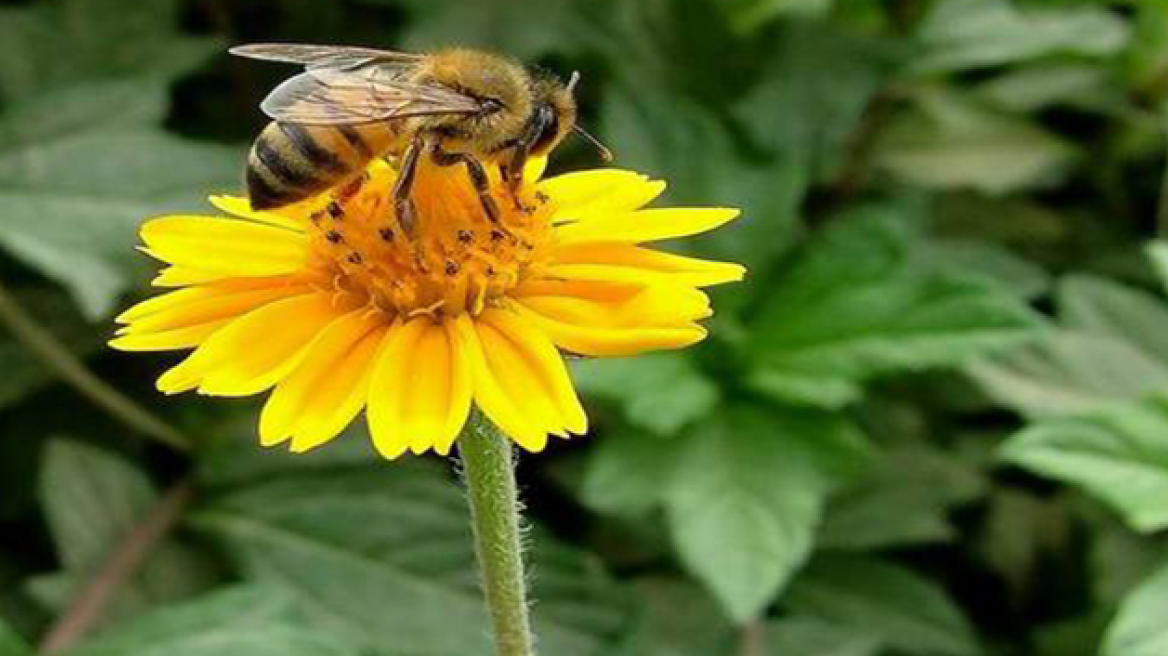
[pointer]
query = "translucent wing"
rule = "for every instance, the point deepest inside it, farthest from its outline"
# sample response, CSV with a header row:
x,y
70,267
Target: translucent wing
x,y
318,57
365,95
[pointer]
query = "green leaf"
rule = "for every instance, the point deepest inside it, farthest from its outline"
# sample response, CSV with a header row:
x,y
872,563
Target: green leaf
x,y
92,500
903,500
1120,560
1139,628
1118,454
383,556
658,134
76,222
662,392
12,644
628,472
1101,307
990,263
899,607
819,82
857,304
253,620
110,38
1020,533
527,29
749,15
747,494
961,34
1111,349
673,618
1067,372
949,141
1077,636
234,459
1148,52
82,161
814,636
1041,86
1157,252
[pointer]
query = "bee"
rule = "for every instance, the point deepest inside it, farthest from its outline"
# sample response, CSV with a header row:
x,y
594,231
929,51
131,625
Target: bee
x,y
351,105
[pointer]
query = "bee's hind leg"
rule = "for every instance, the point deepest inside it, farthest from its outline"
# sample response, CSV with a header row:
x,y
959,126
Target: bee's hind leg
x,y
478,178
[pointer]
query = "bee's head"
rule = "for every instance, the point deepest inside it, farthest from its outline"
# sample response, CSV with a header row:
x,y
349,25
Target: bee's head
x,y
553,113
555,116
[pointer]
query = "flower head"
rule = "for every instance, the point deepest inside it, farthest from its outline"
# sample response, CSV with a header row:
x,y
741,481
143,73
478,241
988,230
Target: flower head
x,y
339,308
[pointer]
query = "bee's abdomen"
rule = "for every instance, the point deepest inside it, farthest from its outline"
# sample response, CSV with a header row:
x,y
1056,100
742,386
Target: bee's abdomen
x,y
291,162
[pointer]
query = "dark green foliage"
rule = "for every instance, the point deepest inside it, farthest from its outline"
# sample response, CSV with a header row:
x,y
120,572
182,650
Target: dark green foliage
x,y
931,422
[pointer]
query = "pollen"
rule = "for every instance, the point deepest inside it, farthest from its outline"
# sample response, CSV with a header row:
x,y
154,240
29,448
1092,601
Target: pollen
x,y
450,259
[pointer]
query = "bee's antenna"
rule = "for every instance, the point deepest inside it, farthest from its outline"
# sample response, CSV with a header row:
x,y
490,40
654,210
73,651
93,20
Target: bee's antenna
x,y
605,153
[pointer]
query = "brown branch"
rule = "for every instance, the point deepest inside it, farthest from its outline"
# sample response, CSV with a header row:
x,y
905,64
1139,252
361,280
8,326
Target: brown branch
x,y
127,557
38,340
853,173
752,639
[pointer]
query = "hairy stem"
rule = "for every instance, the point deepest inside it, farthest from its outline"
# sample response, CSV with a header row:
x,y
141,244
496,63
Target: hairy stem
x,y
489,472
123,562
37,339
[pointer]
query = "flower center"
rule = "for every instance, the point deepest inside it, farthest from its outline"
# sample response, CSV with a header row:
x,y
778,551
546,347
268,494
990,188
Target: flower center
x,y
452,258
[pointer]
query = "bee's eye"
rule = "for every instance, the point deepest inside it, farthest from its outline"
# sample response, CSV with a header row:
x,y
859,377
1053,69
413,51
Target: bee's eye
x,y
549,128
491,105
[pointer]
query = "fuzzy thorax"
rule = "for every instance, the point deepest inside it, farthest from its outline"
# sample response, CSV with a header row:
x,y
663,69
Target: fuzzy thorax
x,y
454,260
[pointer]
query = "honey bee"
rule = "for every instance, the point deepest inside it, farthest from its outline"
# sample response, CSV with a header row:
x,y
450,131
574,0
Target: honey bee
x,y
351,105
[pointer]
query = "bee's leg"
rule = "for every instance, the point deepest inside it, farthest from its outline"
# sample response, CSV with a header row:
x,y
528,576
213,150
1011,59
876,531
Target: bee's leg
x,y
403,205
513,175
478,178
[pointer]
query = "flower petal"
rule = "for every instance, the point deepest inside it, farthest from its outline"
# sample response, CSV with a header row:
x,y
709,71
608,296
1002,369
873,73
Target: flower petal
x,y
646,225
225,246
168,340
185,318
534,167
544,363
329,386
461,391
624,262
660,305
510,414
255,351
419,396
171,301
604,340
241,207
597,291
520,381
181,276
584,195
200,305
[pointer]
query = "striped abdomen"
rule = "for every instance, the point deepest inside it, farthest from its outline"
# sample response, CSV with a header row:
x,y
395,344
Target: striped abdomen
x,y
291,162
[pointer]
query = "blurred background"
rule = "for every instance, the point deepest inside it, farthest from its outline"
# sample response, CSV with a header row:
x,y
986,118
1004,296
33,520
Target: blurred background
x,y
930,423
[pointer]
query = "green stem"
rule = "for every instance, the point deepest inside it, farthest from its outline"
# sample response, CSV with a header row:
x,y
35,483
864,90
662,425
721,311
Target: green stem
x,y
37,339
489,471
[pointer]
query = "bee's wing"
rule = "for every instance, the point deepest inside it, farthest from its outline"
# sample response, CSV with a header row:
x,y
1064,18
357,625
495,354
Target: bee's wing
x,y
317,57
332,97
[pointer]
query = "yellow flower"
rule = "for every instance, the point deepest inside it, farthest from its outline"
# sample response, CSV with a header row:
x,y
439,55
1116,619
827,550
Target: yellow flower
x,y
333,306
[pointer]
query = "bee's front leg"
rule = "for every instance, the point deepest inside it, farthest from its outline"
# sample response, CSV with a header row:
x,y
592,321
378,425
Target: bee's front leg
x,y
403,205
478,178
513,176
